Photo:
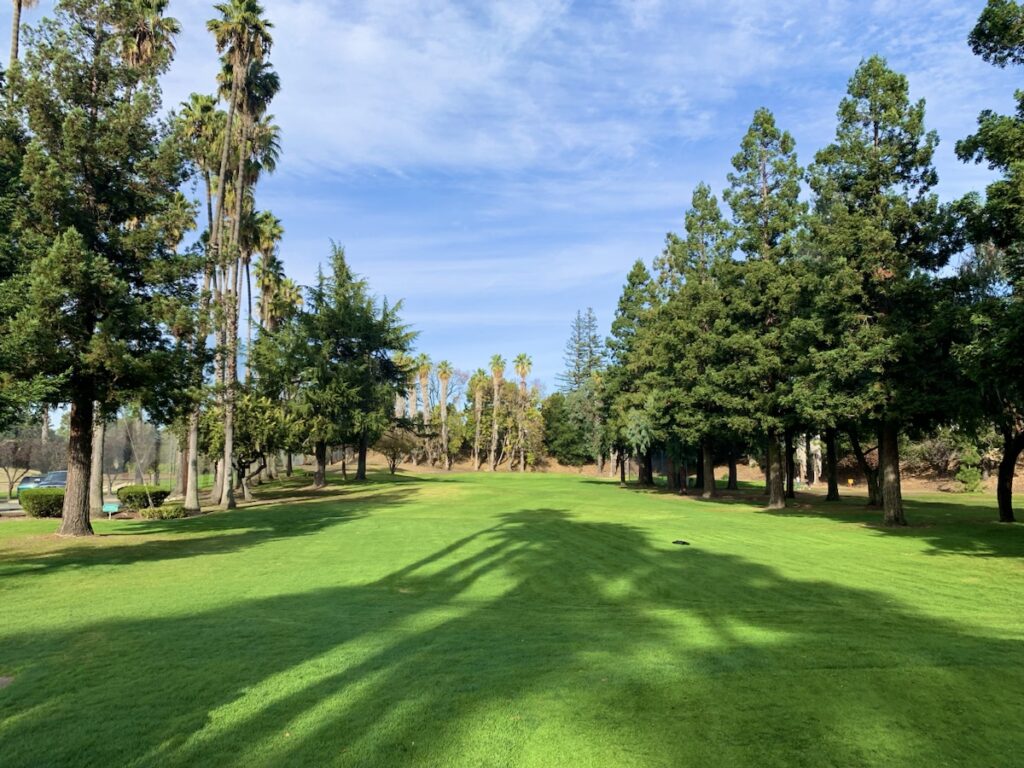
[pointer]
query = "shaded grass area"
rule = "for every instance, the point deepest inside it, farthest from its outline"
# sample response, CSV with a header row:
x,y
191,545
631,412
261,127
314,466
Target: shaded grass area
x,y
503,620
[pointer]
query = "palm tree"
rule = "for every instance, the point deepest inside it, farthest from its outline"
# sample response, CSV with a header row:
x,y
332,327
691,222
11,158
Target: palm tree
x,y
423,366
444,376
478,386
19,5
497,377
242,36
202,125
523,364
150,35
265,235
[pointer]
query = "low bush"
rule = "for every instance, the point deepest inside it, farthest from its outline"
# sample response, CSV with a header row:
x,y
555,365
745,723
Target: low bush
x,y
136,497
163,512
42,502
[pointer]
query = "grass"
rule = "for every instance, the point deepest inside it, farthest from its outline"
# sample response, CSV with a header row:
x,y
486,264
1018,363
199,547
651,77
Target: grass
x,y
481,620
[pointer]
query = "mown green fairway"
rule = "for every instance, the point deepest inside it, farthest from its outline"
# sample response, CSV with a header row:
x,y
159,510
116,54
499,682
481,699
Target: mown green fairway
x,y
515,621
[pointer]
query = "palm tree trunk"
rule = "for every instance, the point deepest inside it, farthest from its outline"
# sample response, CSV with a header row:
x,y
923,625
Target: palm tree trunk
x,y
446,458
15,35
476,438
494,426
192,480
96,468
248,317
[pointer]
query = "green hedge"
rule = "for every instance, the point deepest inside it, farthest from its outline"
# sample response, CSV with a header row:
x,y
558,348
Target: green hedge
x,y
135,497
42,502
163,512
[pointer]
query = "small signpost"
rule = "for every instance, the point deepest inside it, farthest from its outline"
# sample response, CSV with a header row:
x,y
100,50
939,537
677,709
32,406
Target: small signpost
x,y
111,508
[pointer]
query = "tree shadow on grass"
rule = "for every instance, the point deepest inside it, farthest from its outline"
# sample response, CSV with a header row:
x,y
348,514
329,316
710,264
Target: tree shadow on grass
x,y
213,534
541,640
948,527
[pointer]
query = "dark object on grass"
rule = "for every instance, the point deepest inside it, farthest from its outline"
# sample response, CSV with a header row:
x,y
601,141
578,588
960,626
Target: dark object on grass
x,y
681,543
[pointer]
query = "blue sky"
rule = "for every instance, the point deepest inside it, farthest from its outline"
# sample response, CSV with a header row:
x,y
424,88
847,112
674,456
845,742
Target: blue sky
x,y
500,164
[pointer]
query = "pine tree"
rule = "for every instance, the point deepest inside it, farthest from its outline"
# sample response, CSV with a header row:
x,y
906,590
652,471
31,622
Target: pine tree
x,y
883,234
763,291
101,212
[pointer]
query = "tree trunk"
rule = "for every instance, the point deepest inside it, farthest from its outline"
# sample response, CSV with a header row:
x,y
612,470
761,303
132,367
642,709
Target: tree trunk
x,y
698,480
790,465
446,459
479,410
870,475
734,484
672,476
709,471
889,458
776,488
494,426
96,468
157,449
645,468
1013,446
361,458
181,475
831,464
320,476
622,469
288,464
75,518
15,35
192,480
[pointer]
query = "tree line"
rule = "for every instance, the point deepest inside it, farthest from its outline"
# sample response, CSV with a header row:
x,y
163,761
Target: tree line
x,y
840,297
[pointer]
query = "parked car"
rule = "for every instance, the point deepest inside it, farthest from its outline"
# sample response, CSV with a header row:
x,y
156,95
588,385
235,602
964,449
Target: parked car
x,y
28,483
54,480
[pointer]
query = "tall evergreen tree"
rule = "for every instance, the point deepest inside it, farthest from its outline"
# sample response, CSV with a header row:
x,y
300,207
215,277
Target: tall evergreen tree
x,y
886,236
100,211
763,294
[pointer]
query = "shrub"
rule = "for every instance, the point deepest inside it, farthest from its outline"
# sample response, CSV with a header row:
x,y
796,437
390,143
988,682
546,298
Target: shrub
x,y
135,497
163,512
969,473
42,502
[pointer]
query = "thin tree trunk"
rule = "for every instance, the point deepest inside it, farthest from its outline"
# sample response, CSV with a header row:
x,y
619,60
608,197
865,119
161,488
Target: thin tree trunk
x,y
446,459
288,464
698,480
1013,446
809,461
181,476
622,469
192,479
870,475
494,426
157,448
96,468
684,479
479,411
790,465
831,464
776,488
75,518
15,35
734,484
671,474
320,477
364,446
709,471
647,468
892,497
218,481
248,323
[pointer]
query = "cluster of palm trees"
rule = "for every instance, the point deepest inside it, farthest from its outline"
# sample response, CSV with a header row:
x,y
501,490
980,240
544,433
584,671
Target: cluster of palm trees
x,y
507,409
231,149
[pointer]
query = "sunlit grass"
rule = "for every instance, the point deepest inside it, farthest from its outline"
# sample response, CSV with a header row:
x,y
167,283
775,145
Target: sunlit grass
x,y
515,620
